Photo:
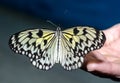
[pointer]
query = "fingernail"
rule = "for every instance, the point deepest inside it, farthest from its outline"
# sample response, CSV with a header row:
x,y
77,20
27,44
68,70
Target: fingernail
x,y
91,67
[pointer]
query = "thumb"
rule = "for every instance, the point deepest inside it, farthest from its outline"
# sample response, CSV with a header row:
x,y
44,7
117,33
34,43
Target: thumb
x,y
107,68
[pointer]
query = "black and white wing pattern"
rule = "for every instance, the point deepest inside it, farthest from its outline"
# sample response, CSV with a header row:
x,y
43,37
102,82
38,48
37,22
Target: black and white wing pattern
x,y
46,47
37,44
77,42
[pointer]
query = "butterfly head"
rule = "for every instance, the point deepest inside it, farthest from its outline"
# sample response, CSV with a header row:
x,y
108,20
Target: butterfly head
x,y
58,29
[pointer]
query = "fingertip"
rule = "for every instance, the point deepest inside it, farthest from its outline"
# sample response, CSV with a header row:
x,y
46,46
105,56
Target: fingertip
x,y
91,67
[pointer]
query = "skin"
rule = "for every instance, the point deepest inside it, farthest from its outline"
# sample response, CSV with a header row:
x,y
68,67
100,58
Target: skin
x,y
107,59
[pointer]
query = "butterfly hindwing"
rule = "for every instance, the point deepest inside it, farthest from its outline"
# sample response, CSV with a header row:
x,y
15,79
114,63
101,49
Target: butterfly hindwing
x,y
36,44
77,42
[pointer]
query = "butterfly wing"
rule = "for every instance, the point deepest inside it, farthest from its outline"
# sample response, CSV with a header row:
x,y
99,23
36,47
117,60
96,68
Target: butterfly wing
x,y
38,44
77,42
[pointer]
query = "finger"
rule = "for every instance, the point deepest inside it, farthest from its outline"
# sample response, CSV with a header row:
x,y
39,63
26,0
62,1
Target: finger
x,y
92,57
96,56
99,56
106,57
108,68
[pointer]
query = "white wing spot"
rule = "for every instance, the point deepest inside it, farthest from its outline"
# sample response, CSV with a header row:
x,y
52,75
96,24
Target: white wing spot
x,y
26,53
37,64
47,67
91,48
34,63
40,66
79,54
85,51
29,54
23,52
31,59
16,51
36,57
82,59
98,47
79,64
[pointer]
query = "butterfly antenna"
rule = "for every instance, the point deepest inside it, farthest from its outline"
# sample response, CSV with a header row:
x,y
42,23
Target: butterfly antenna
x,y
52,23
58,28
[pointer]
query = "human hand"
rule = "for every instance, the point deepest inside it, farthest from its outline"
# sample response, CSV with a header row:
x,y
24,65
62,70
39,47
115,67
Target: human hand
x,y
108,57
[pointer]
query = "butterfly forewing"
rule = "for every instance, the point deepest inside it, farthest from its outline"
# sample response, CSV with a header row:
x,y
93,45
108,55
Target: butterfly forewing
x,y
37,44
77,42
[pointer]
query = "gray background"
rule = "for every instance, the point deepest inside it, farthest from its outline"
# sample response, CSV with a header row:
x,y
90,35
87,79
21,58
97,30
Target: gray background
x,y
15,68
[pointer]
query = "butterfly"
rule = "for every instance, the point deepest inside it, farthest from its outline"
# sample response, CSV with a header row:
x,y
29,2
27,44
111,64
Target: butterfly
x,y
47,47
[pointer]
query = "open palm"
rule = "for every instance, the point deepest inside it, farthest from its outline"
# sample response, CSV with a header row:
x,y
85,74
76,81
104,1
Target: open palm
x,y
109,54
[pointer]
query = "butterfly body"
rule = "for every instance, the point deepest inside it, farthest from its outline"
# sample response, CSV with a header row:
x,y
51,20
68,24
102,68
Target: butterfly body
x,y
46,47
58,45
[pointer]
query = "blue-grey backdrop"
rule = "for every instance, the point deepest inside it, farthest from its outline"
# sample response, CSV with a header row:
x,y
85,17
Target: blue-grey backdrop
x,y
100,14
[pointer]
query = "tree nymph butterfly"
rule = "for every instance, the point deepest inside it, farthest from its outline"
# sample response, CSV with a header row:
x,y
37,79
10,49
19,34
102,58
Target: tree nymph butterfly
x,y
46,47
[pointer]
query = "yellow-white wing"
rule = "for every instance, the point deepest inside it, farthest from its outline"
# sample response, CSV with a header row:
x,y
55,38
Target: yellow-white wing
x,y
38,44
77,42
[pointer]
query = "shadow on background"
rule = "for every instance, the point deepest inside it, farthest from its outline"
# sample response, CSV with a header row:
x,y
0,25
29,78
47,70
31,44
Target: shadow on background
x,y
15,68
